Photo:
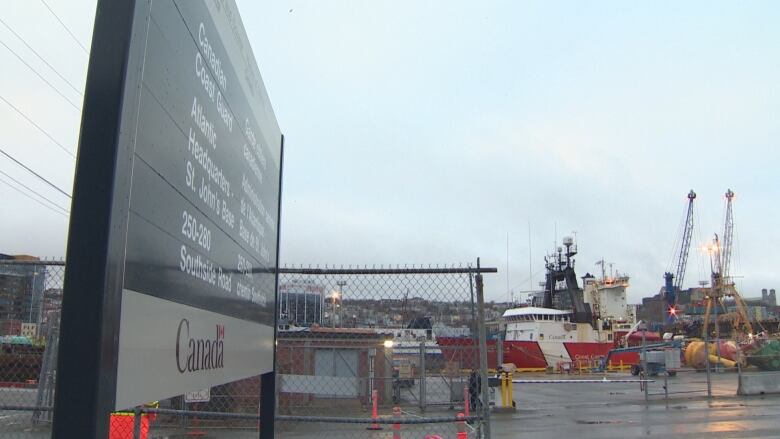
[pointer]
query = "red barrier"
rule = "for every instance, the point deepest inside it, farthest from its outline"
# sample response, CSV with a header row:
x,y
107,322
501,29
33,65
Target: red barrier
x,y
397,427
374,411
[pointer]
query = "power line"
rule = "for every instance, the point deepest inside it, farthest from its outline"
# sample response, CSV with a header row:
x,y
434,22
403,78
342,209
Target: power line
x,y
65,27
30,197
35,173
41,58
35,192
56,90
37,126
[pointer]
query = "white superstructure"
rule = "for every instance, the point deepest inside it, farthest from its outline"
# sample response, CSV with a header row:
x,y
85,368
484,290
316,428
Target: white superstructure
x,y
547,325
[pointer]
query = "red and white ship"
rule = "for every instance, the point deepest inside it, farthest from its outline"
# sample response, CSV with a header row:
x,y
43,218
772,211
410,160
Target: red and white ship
x,y
566,326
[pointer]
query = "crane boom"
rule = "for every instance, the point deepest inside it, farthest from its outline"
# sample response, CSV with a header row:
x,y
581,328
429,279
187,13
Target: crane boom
x,y
682,260
674,282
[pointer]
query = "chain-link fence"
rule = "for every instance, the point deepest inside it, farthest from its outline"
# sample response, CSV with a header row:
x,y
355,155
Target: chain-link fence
x,y
360,353
30,300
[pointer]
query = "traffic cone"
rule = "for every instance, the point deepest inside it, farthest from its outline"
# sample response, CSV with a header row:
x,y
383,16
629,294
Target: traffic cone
x,y
461,424
396,426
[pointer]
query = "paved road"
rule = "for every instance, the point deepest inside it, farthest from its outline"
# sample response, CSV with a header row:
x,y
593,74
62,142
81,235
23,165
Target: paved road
x,y
619,411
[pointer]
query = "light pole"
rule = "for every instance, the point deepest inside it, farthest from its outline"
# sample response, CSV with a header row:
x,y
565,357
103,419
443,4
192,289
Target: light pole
x,y
32,296
333,296
341,285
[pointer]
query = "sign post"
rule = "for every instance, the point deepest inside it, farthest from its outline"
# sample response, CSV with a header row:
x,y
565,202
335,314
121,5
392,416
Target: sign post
x,y
171,280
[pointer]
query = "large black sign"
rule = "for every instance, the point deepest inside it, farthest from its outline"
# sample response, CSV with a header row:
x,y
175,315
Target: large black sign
x,y
175,212
205,185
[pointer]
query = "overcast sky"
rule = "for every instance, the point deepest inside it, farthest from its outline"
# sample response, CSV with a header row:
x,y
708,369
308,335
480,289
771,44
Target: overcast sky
x,y
434,132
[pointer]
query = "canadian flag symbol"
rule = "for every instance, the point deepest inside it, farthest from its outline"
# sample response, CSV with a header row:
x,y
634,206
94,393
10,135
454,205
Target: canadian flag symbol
x,y
220,331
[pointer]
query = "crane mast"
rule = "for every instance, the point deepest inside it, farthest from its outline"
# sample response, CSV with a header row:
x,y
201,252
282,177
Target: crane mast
x,y
728,237
722,284
674,282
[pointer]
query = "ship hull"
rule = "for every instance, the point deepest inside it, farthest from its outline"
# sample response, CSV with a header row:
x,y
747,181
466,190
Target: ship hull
x,y
533,355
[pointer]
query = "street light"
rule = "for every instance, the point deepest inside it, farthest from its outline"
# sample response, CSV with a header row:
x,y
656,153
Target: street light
x,y
333,296
341,285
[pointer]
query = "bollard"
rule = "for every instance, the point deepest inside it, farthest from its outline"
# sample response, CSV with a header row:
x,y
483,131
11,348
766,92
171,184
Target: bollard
x,y
511,391
461,424
374,411
507,391
466,400
621,365
396,426
503,389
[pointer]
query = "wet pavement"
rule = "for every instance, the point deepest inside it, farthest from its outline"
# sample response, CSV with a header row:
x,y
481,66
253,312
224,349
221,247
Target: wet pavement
x,y
606,411
571,410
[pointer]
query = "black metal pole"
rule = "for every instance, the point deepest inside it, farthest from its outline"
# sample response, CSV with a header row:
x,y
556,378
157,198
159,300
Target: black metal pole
x,y
86,364
267,404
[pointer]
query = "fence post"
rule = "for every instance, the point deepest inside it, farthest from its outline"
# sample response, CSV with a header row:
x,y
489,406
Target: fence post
x,y
485,408
739,374
643,361
500,349
422,377
707,362
666,386
137,423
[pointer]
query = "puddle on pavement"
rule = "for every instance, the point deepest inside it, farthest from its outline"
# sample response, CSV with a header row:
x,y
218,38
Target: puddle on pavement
x,y
608,421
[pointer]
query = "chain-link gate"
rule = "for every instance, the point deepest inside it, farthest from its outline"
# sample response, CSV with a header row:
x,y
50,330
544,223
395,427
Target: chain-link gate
x,y
378,347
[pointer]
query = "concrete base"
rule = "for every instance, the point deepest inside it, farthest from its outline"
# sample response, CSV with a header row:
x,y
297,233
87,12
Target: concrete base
x,y
758,383
500,409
